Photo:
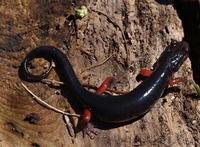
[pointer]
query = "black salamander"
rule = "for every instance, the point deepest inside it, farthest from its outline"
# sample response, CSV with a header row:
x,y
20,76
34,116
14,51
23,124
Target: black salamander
x,y
108,108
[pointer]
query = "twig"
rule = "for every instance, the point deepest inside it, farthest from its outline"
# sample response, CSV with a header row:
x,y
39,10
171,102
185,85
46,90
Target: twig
x,y
69,126
58,83
43,103
98,64
52,82
107,90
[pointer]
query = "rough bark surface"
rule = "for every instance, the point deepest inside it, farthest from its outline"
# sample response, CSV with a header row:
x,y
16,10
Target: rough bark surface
x,y
132,32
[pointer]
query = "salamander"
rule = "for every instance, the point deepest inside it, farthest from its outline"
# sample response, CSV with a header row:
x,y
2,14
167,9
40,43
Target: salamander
x,y
108,108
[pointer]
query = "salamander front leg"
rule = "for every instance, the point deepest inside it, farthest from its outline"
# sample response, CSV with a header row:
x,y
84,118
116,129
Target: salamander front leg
x,y
88,128
146,73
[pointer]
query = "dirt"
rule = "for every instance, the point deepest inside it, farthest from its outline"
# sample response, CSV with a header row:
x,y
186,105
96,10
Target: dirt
x,y
115,38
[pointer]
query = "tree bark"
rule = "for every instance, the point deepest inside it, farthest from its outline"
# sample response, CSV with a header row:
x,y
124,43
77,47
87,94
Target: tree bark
x,y
130,34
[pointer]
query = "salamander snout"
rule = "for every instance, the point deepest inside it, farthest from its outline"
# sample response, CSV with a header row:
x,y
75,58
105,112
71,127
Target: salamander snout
x,y
181,46
184,46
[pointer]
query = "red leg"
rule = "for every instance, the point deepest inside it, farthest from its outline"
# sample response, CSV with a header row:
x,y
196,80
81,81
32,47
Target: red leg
x,y
104,86
86,116
173,81
146,72
88,127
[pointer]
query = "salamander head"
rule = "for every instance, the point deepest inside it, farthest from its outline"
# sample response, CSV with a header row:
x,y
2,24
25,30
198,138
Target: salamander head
x,y
179,52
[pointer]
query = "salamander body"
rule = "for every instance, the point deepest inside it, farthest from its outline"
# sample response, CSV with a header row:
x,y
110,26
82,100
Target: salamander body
x,y
108,108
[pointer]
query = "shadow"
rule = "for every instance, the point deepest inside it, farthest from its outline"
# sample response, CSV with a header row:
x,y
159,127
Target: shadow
x,y
165,2
140,78
189,13
193,96
106,126
171,90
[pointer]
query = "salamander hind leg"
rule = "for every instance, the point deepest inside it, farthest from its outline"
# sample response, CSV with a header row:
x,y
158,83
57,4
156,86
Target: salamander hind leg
x,y
88,128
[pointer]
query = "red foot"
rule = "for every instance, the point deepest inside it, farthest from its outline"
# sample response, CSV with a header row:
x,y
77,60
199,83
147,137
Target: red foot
x,y
90,131
146,72
88,127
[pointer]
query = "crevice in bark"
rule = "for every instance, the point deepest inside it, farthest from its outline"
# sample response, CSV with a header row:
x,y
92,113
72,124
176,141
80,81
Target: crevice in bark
x,y
189,13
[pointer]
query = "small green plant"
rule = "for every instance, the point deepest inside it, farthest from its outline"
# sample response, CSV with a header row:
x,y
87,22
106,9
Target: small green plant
x,y
81,12
197,88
